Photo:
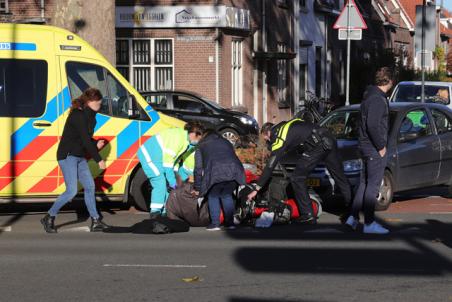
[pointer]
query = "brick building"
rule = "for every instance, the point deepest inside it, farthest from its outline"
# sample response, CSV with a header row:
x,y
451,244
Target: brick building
x,y
92,20
234,52
237,53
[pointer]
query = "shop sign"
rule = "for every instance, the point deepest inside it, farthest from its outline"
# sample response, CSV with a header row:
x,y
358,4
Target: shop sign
x,y
200,16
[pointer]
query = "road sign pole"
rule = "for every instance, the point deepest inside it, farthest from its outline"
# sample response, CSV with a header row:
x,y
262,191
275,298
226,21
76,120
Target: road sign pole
x,y
347,93
347,96
423,53
352,21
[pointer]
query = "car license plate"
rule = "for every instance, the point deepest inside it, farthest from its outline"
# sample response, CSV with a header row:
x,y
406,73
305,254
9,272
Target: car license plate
x,y
313,182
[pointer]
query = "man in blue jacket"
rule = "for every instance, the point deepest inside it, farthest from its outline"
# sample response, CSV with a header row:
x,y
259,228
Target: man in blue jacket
x,y
373,136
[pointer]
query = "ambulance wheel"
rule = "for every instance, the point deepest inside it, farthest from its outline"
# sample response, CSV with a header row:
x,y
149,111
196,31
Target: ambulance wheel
x,y
140,190
386,192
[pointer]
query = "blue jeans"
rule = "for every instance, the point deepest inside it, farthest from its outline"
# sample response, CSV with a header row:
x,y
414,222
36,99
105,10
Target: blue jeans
x,y
76,168
369,185
222,191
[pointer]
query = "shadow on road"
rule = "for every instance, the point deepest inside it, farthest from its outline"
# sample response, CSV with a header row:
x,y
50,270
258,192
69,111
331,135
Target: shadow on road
x,y
441,191
18,210
418,258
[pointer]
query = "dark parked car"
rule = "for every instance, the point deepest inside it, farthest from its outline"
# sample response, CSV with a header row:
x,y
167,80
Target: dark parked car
x,y
187,106
419,149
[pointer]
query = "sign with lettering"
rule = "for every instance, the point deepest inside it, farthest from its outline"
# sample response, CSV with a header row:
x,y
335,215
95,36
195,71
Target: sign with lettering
x,y
199,16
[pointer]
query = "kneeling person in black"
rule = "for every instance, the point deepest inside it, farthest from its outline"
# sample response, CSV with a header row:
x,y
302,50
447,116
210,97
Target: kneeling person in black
x,y
318,145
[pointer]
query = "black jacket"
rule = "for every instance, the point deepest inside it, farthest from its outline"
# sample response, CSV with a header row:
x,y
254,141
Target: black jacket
x,y
77,138
215,162
297,133
374,121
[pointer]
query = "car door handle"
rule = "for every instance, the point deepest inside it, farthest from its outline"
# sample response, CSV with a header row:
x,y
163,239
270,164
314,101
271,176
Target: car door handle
x,y
42,124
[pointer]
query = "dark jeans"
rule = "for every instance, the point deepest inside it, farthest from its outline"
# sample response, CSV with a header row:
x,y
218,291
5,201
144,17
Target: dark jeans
x,y
309,160
76,168
369,186
222,192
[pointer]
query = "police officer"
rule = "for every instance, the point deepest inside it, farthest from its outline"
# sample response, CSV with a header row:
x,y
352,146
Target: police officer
x,y
318,145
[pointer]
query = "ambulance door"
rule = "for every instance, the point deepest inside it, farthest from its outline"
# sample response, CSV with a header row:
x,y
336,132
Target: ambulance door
x,y
113,122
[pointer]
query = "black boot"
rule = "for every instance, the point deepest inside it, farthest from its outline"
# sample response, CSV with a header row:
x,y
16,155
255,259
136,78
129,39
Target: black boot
x,y
155,215
97,225
48,222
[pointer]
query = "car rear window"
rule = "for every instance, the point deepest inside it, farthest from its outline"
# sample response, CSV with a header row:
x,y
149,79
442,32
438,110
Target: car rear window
x,y
412,93
23,87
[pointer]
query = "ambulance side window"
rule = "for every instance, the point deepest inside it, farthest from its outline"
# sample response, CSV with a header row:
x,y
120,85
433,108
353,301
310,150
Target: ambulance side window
x,y
119,97
23,87
81,76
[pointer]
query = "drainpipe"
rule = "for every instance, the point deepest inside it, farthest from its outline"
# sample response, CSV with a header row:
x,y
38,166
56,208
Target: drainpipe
x,y
217,66
296,39
264,75
42,10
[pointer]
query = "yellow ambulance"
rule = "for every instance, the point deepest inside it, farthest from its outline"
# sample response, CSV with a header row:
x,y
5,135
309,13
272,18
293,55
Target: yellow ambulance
x,y
42,68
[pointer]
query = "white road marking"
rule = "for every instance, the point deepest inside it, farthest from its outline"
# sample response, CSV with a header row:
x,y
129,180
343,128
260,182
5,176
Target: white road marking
x,y
436,213
156,265
75,229
6,229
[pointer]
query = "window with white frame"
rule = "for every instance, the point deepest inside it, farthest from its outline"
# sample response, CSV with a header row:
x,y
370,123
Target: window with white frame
x,y
237,73
3,6
282,75
163,51
147,63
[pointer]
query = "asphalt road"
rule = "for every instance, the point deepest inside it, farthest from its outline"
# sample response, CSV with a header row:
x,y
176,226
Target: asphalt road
x,y
284,263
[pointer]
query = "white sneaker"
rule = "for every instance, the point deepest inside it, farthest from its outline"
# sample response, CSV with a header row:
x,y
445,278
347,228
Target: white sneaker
x,y
213,227
352,222
375,228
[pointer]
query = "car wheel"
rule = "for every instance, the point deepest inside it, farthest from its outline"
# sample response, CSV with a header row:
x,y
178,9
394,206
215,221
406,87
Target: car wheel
x,y
140,190
231,135
386,192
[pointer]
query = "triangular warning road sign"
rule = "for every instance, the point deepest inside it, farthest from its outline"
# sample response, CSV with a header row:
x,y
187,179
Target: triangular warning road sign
x,y
356,19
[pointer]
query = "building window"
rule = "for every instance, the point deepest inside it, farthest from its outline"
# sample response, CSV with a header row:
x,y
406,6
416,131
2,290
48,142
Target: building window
x,y
303,5
303,81
303,75
237,73
163,61
146,63
282,76
318,71
3,6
